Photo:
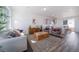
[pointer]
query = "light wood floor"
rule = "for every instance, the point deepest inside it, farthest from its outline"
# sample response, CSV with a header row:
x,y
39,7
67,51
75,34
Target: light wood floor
x,y
70,43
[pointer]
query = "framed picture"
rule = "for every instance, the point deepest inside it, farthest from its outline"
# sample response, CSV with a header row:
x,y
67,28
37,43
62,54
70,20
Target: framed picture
x,y
65,22
34,21
54,21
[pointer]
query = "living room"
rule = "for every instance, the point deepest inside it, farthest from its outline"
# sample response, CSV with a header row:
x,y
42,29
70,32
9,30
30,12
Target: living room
x,y
39,28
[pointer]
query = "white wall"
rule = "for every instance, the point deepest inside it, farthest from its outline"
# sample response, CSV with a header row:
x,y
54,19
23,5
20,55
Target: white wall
x,y
59,23
21,18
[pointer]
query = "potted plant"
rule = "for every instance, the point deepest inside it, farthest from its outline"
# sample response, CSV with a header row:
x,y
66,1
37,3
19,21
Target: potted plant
x,y
3,18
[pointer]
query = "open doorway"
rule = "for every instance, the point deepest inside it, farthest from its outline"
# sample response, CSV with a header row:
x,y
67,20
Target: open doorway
x,y
71,25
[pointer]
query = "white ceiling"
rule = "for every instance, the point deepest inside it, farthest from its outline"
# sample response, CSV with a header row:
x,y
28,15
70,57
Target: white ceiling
x,y
58,11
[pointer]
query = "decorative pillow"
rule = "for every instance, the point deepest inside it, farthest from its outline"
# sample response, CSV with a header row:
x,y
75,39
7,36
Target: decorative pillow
x,y
14,33
17,33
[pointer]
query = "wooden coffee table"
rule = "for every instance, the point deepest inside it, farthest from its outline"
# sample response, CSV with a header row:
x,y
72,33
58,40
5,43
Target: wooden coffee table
x,y
40,35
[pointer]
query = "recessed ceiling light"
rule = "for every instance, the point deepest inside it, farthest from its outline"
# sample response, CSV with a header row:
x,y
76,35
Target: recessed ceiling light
x,y
44,9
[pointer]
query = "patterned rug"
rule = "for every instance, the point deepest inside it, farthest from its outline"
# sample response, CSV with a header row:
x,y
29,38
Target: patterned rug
x,y
46,45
